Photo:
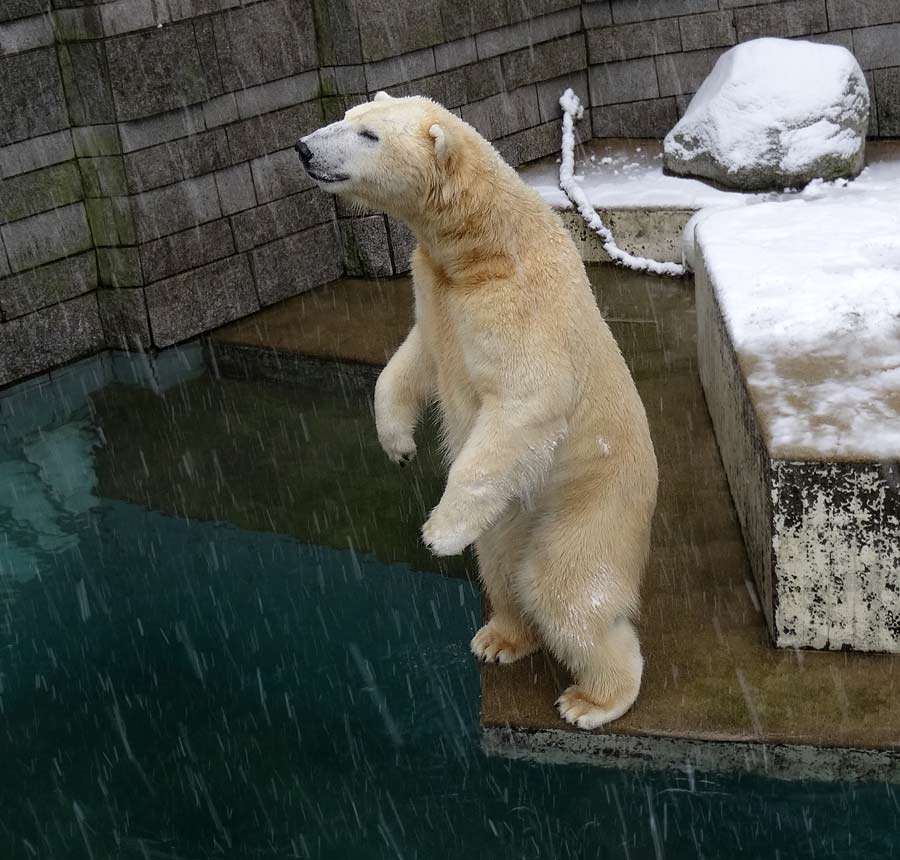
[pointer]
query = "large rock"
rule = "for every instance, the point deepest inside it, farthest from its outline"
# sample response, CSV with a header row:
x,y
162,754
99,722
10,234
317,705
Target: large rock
x,y
774,113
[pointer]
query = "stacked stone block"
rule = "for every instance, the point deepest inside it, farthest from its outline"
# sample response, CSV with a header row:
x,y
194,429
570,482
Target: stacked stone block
x,y
149,189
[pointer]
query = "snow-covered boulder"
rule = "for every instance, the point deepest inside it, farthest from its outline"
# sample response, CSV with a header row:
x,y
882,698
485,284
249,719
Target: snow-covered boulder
x,y
774,113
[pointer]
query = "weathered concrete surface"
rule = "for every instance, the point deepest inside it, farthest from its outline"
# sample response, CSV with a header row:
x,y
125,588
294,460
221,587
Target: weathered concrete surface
x,y
823,536
651,233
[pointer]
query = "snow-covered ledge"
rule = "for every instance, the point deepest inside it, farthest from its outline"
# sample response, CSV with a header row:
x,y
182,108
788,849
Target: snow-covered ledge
x,y
798,311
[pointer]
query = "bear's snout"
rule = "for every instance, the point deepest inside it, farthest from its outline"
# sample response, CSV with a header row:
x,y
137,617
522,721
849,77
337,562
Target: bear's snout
x,y
304,152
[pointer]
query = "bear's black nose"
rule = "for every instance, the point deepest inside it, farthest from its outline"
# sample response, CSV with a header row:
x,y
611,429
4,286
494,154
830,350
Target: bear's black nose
x,y
303,151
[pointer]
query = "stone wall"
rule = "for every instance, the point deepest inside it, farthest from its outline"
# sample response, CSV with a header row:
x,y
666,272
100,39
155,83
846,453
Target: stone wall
x,y
149,190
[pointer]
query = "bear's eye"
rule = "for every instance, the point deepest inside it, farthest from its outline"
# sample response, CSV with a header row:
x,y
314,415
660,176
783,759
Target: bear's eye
x,y
368,134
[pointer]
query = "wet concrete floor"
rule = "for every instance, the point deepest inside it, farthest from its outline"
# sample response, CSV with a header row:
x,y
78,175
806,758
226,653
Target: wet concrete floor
x,y
711,672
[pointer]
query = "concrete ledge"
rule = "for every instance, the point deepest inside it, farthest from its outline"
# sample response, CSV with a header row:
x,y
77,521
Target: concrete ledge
x,y
652,233
806,454
781,761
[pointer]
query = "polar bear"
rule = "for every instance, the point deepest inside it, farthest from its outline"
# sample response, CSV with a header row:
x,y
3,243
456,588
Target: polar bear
x,y
552,473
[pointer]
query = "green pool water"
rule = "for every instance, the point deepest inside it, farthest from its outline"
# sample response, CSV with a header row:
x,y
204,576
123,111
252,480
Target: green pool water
x,y
220,638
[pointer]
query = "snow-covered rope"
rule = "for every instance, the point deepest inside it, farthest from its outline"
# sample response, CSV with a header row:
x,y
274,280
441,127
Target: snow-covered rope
x,y
572,110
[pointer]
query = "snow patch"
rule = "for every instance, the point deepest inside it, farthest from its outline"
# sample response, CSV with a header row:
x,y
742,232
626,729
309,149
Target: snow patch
x,y
810,292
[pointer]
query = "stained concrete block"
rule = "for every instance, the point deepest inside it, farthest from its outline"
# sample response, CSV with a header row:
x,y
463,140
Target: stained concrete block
x,y
887,89
272,131
49,236
13,9
176,207
504,113
709,30
543,61
32,101
49,337
74,25
403,243
535,142
235,187
626,81
529,32
36,153
86,81
281,218
862,13
296,263
625,11
94,140
452,55
103,176
220,110
25,34
458,86
793,18
391,28
181,9
596,14
405,67
111,221
171,162
343,80
877,47
278,175
200,300
282,93
337,32
205,35
119,267
639,119
466,17
822,536
123,16
683,73
48,285
123,315
40,190
519,10
366,250
141,133
188,249
629,41
266,41
155,71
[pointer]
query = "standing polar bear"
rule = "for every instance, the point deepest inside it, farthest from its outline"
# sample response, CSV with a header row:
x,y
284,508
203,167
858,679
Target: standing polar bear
x,y
553,477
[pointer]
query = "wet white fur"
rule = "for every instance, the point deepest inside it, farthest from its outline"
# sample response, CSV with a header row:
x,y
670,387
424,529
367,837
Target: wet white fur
x,y
552,472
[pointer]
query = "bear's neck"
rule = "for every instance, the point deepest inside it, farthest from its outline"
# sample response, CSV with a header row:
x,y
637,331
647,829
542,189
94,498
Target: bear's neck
x,y
477,220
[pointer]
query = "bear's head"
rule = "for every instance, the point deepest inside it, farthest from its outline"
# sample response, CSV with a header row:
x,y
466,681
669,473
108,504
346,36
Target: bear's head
x,y
391,154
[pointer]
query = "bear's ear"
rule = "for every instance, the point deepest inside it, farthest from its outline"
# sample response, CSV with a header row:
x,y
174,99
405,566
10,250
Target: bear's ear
x,y
381,96
442,143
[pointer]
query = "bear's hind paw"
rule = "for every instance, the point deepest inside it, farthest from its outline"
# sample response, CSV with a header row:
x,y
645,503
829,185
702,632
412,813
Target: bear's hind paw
x,y
492,644
577,708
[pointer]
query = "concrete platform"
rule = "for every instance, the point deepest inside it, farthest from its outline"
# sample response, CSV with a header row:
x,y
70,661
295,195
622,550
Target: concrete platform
x,y
799,348
716,694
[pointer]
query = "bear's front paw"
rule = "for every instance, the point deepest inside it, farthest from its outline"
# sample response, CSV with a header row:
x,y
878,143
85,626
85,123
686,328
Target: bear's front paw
x,y
447,535
397,444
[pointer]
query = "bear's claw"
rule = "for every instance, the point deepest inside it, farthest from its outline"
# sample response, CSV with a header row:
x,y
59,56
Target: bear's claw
x,y
577,708
493,645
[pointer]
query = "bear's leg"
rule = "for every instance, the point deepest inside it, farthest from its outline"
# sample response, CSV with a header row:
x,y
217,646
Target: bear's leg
x,y
607,681
579,584
507,636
